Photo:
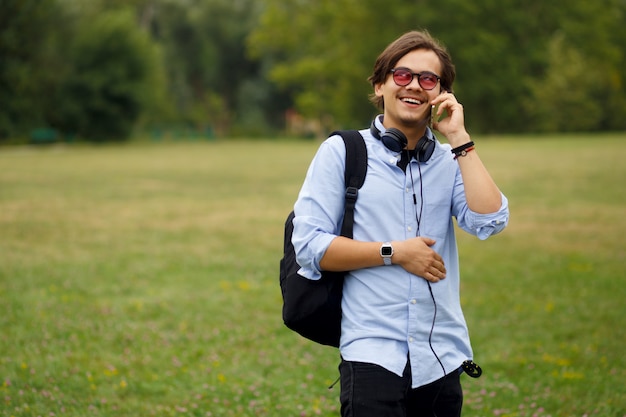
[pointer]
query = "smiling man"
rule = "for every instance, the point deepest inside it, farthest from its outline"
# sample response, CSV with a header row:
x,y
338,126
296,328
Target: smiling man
x,y
404,340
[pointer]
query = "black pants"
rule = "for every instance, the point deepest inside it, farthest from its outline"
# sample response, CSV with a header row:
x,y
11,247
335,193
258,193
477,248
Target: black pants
x,y
369,390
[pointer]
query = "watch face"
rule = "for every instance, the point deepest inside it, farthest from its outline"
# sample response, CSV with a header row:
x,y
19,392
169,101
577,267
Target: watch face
x,y
386,251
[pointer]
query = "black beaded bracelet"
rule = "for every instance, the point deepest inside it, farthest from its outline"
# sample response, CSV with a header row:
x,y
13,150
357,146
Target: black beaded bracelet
x,y
458,150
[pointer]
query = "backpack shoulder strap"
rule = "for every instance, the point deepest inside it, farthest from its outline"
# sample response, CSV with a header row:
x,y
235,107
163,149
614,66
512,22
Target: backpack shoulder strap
x,y
354,176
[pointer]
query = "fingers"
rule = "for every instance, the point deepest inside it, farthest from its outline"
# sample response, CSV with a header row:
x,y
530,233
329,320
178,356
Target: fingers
x,y
436,272
432,277
444,100
420,259
452,126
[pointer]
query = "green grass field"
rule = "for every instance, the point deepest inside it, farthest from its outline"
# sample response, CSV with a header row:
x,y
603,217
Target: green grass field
x,y
142,280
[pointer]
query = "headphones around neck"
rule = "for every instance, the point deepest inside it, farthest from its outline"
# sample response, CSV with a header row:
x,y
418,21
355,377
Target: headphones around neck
x,y
396,141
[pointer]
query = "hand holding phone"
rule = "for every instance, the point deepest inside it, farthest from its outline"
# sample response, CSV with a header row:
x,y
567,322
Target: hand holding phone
x,y
451,121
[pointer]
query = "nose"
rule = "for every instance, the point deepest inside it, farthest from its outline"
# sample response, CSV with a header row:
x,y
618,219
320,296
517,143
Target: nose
x,y
414,84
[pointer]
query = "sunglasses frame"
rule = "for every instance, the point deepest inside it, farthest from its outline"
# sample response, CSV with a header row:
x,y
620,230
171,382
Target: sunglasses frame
x,y
413,75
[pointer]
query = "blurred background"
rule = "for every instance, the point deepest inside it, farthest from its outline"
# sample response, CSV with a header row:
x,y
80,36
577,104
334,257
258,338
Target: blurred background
x,y
111,70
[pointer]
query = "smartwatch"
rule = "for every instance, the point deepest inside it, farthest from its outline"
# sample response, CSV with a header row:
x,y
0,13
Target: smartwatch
x,y
386,252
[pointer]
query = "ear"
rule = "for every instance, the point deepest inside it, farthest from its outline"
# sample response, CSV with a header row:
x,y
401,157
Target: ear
x,y
378,89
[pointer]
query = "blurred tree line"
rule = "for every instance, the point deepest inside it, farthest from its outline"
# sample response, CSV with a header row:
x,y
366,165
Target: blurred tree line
x,y
106,69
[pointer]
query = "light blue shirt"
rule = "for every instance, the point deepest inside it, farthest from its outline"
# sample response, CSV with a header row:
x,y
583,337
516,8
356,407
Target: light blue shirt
x,y
387,312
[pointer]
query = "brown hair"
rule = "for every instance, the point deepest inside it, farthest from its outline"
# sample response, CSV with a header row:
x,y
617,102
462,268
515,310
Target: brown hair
x,y
406,43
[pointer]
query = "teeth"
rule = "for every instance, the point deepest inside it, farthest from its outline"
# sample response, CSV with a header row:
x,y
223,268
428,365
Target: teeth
x,y
412,100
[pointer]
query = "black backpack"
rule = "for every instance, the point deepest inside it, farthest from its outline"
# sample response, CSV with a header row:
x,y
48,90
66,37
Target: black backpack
x,y
313,308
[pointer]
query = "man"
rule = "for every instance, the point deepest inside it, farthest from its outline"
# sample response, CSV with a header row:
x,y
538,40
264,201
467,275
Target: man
x,y
403,334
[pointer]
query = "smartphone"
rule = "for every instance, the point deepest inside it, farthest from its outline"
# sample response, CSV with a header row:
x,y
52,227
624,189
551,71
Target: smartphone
x,y
433,115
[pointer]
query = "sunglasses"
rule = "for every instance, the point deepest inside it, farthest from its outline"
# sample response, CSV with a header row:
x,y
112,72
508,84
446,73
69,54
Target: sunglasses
x,y
404,76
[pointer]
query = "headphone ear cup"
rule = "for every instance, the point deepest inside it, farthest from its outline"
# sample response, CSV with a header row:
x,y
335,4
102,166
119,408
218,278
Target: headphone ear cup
x,y
424,149
394,140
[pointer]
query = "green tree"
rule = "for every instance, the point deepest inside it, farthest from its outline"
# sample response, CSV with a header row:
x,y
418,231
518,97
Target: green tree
x,y
27,62
112,79
212,81
581,84
321,51
568,97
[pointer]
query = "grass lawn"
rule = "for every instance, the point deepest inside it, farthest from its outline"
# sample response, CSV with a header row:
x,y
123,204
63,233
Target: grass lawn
x,y
142,280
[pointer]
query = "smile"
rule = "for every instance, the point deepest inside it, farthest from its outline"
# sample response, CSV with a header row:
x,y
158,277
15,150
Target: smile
x,y
410,100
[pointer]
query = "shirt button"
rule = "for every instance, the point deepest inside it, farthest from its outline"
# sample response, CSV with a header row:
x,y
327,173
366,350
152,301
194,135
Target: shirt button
x,y
407,190
411,339
409,228
414,301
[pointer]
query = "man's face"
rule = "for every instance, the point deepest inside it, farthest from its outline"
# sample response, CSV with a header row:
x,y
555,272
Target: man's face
x,y
408,107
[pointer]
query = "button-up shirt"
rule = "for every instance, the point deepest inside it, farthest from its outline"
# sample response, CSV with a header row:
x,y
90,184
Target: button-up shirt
x,y
388,313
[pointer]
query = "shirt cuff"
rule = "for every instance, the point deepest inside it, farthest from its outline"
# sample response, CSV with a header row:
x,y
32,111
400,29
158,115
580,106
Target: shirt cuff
x,y
493,223
310,265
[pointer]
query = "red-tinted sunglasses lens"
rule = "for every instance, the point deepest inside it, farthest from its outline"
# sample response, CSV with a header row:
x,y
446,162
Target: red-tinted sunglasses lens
x,y
402,77
427,80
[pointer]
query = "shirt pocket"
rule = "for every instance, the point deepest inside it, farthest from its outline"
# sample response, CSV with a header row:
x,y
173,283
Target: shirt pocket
x,y
436,220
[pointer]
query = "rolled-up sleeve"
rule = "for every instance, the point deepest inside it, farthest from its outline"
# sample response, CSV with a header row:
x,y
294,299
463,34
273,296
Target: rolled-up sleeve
x,y
319,208
310,246
485,225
